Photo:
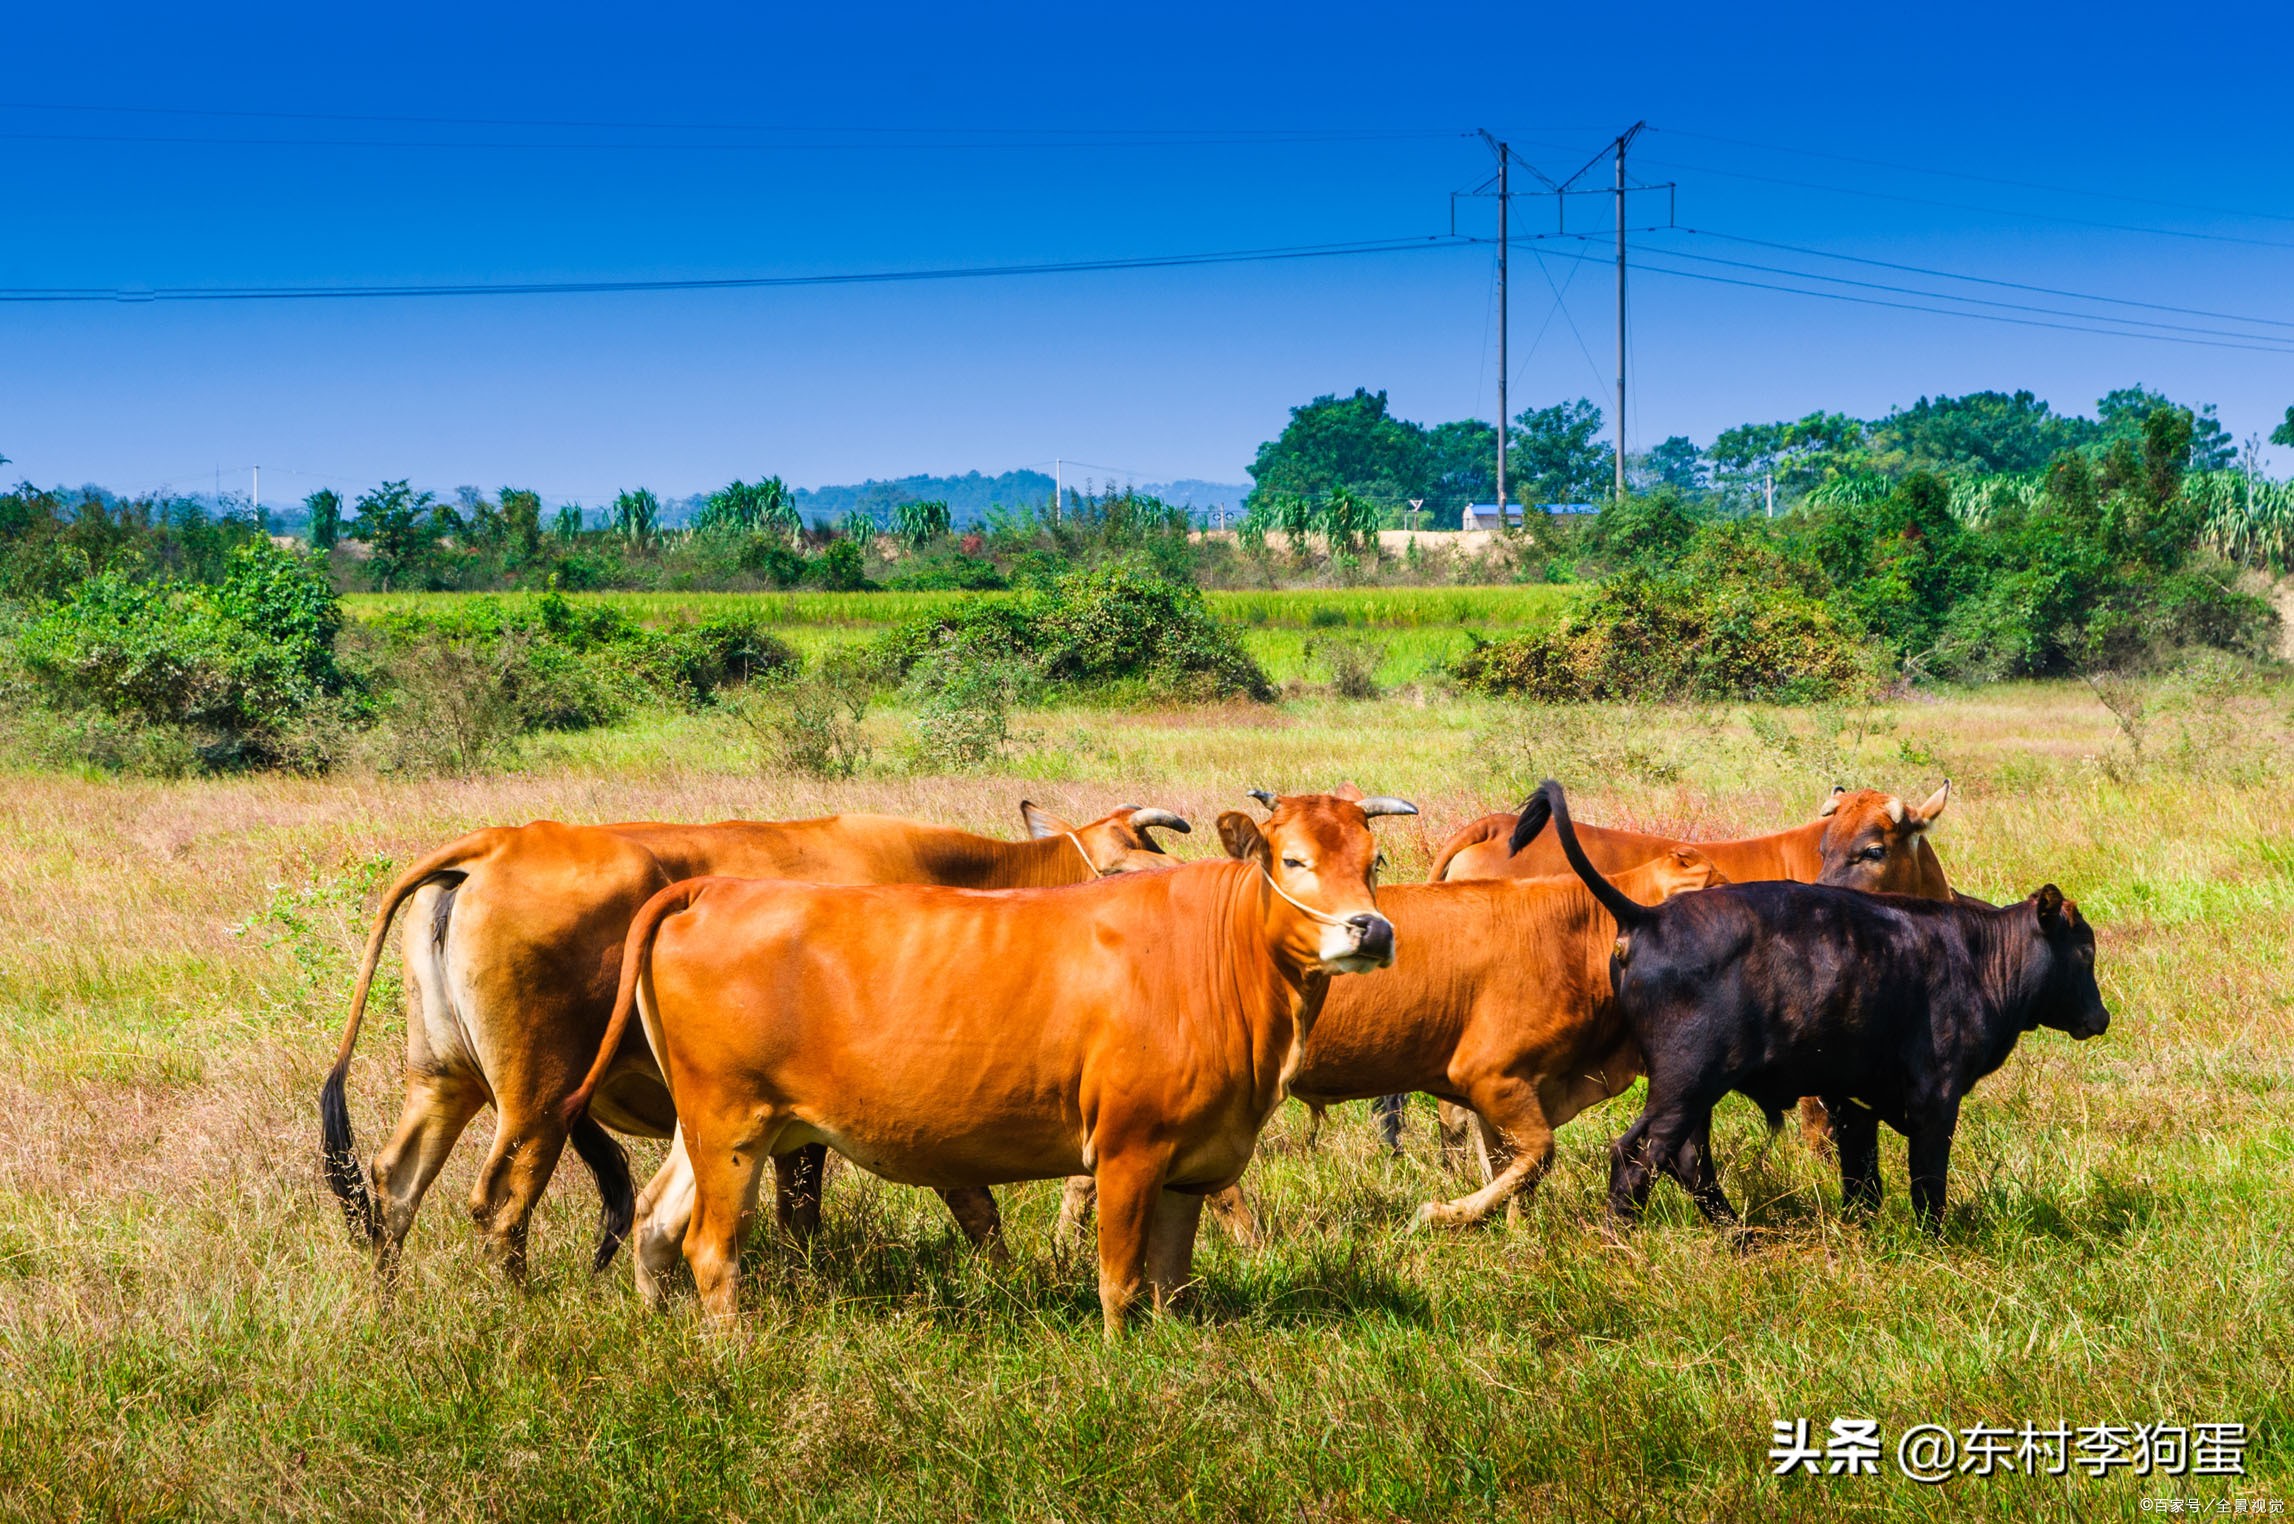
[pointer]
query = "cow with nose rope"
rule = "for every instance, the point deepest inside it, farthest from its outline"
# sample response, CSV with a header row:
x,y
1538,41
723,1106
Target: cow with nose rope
x,y
1140,1028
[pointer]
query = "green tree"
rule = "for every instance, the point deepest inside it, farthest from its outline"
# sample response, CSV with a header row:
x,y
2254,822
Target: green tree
x,y
739,507
1347,520
401,525
567,526
1979,432
1557,455
920,523
2284,433
637,517
522,521
2125,411
325,507
1676,463
1351,442
1461,467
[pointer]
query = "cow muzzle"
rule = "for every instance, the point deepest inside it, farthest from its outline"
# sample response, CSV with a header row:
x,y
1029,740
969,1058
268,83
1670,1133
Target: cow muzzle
x,y
1358,944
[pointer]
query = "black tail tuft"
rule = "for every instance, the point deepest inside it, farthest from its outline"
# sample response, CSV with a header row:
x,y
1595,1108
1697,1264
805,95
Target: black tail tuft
x,y
617,1204
1536,810
344,1176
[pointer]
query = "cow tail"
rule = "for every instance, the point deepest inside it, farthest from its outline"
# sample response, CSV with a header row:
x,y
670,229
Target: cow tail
x,y
1629,913
617,1200
1472,836
636,957
1535,811
337,1152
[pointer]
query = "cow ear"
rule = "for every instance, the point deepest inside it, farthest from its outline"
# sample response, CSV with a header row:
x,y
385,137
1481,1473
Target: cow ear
x,y
2049,903
1839,792
1042,822
1347,792
1925,816
1241,836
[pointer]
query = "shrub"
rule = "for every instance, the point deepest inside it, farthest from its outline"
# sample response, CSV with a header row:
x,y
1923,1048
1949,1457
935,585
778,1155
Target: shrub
x,y
1645,637
810,723
1114,624
839,568
237,667
948,573
963,708
1350,661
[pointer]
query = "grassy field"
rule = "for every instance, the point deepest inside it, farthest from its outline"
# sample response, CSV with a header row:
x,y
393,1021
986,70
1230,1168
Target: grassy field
x,y
186,1332
1414,630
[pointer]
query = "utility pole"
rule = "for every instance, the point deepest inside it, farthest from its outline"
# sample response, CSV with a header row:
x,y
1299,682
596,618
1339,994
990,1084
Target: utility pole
x,y
1055,490
1624,140
1504,200
255,496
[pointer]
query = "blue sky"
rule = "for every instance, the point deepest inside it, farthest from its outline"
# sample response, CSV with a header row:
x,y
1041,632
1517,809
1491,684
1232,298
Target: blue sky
x,y
312,145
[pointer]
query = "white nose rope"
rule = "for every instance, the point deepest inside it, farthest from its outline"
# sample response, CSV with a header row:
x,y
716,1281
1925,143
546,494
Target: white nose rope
x,y
1096,870
1308,911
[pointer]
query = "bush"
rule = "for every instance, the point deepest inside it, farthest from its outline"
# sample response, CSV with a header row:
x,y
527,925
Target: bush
x,y
1350,661
810,723
237,668
839,568
1111,625
1646,637
948,573
963,708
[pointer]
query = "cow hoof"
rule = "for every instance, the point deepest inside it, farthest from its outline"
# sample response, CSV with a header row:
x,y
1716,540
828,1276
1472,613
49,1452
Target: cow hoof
x,y
1440,1214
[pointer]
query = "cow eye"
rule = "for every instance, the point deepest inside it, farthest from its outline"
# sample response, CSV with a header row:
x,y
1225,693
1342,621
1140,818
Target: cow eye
x,y
1292,862
1873,854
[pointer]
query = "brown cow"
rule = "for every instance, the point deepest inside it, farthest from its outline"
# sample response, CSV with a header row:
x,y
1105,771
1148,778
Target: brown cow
x,y
1141,1028
513,948
1859,840
1499,999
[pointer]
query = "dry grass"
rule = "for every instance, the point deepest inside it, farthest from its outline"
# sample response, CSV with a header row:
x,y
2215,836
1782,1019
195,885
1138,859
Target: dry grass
x,y
185,1331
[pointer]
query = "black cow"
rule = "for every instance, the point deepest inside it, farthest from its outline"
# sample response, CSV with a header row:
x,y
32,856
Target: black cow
x,y
1889,1008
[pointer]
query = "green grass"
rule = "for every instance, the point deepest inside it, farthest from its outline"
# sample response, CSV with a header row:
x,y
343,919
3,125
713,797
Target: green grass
x,y
1415,630
186,1332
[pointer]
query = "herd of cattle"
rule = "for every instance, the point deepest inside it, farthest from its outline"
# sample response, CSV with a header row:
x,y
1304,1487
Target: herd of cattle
x,y
958,1012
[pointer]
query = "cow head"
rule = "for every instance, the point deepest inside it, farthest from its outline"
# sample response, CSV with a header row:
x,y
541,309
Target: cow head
x,y
1116,843
1876,842
1679,871
2069,1001
1317,853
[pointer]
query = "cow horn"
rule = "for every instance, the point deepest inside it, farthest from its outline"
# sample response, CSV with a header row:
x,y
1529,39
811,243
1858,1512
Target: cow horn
x,y
1387,804
1263,797
1832,804
1163,818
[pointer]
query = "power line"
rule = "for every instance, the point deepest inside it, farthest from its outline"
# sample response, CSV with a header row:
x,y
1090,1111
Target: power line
x,y
1990,211
1174,134
1985,280
1953,174
2264,347
721,283
1843,280
824,145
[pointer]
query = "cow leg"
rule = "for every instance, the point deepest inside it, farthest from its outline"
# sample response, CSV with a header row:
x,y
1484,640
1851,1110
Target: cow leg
x,y
1232,1210
1313,1136
438,1107
664,1212
517,1170
1816,1125
1075,1205
1510,1111
1857,1131
1693,1168
725,1181
1171,1245
974,1208
1456,1130
796,1190
1631,1175
1130,1190
1931,1137
1387,1110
